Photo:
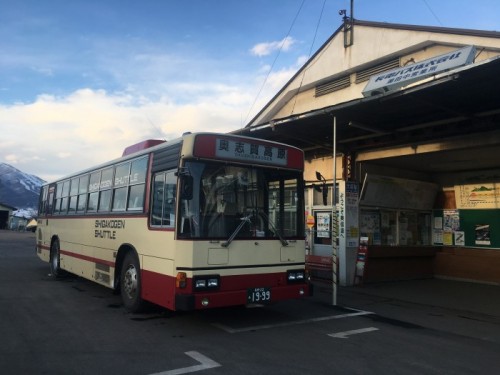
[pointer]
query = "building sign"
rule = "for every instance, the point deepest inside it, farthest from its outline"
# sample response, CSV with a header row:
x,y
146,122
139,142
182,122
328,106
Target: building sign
x,y
348,214
248,152
394,79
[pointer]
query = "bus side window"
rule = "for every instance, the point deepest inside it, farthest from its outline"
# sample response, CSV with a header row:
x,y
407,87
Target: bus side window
x,y
163,200
157,193
170,190
186,182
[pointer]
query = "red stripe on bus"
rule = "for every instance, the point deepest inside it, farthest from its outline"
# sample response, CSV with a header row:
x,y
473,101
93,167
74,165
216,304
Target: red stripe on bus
x,y
113,215
87,258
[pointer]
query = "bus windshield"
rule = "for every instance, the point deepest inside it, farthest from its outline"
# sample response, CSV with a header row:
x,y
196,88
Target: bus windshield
x,y
233,201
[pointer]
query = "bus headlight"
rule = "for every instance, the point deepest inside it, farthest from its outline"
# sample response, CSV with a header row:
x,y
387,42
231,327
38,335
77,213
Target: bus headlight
x,y
296,276
213,283
200,284
209,282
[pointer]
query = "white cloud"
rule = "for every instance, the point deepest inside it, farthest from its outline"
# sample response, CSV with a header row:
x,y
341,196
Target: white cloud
x,y
11,159
266,48
56,136
44,71
277,79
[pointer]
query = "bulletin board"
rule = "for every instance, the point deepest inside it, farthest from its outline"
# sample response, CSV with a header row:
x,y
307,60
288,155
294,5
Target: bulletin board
x,y
467,227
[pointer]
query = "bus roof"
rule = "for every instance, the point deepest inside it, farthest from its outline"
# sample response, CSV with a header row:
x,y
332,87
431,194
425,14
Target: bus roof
x,y
205,142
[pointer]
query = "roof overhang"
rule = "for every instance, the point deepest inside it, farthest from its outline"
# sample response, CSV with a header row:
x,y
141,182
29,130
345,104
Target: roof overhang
x,y
460,102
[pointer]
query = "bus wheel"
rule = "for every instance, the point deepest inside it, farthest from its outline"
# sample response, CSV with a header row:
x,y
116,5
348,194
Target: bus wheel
x,y
130,283
55,265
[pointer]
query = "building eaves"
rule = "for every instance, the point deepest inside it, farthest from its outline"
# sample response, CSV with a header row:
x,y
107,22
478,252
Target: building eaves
x,y
418,86
434,29
450,104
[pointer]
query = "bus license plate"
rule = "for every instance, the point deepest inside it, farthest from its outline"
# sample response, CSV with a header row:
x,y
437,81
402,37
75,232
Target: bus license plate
x,y
258,295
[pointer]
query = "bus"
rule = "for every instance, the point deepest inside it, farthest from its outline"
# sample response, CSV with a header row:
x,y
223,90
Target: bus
x,y
207,220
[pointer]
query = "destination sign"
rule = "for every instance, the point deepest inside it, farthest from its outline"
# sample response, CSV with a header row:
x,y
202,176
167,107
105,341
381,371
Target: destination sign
x,y
248,151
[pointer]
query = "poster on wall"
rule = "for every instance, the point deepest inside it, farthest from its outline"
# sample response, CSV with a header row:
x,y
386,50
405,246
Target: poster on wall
x,y
459,238
480,196
451,220
437,236
323,225
369,223
447,238
483,234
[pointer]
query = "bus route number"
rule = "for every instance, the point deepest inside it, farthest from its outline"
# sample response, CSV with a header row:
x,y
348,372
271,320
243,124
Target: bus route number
x,y
257,295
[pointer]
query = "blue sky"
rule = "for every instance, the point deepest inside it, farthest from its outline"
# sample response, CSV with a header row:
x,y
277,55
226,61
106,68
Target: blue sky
x,y
82,79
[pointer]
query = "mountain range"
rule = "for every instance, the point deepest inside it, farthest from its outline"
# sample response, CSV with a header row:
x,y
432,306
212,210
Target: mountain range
x,y
19,189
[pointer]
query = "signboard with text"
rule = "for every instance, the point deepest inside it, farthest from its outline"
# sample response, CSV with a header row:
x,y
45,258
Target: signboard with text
x,y
396,78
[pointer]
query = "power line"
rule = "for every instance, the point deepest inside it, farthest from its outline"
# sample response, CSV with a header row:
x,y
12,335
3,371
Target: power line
x,y
310,53
434,14
275,59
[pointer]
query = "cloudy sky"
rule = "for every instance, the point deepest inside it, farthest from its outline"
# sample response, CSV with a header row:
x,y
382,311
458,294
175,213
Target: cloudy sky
x,y
82,79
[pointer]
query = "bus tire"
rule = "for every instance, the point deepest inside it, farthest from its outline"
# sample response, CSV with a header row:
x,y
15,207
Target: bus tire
x,y
55,260
130,283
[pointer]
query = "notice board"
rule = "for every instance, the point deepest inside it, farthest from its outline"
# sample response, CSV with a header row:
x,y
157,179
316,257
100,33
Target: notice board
x,y
467,227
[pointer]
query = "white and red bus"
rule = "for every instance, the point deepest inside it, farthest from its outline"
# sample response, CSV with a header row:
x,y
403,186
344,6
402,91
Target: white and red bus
x,y
207,220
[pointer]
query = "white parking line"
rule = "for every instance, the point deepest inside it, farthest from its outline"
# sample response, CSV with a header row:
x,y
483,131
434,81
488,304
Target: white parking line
x,y
343,335
205,364
294,322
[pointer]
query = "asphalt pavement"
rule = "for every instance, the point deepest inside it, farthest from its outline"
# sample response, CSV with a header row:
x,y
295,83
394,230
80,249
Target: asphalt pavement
x,y
465,308
408,327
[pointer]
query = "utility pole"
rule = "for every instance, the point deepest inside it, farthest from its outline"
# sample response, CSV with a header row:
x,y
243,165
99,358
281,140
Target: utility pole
x,y
335,226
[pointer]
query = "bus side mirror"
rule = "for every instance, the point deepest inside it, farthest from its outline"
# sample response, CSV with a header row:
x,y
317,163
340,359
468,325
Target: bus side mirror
x,y
186,187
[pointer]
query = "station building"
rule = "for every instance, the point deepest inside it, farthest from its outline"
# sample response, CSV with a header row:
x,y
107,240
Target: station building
x,y
405,120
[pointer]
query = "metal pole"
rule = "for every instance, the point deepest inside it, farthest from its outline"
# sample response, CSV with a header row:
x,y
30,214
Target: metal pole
x,y
334,216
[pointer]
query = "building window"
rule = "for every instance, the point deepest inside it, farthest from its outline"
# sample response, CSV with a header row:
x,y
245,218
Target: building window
x,y
395,227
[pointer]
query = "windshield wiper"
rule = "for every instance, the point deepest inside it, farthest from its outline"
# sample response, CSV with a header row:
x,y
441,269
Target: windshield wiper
x,y
273,227
244,220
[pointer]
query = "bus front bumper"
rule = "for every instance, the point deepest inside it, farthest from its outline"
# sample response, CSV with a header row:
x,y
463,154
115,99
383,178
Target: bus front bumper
x,y
213,299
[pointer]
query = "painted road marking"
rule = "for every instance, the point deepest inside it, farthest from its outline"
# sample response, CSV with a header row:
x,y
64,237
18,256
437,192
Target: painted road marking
x,y
294,322
205,364
345,334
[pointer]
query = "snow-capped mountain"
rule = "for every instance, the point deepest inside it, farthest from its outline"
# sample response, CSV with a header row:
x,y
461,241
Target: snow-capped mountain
x,y
19,189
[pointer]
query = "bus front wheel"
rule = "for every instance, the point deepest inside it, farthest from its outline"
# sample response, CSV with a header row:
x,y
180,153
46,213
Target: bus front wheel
x,y
130,283
55,257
